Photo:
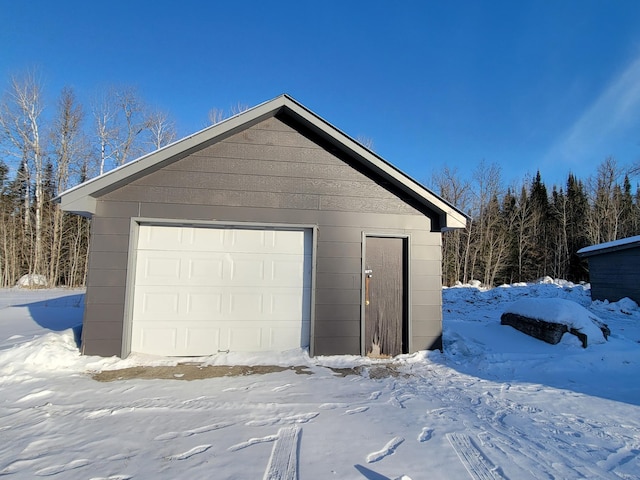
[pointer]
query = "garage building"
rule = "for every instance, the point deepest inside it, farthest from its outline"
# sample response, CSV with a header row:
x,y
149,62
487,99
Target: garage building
x,y
271,230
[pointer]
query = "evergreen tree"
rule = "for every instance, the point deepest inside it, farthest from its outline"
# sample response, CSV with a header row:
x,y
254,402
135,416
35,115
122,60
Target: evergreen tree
x,y
578,211
541,222
627,227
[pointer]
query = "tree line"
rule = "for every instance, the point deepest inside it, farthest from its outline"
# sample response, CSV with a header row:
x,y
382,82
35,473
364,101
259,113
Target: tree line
x,y
526,232
46,148
519,233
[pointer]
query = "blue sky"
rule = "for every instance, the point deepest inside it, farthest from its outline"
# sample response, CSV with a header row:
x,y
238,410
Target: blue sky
x,y
549,85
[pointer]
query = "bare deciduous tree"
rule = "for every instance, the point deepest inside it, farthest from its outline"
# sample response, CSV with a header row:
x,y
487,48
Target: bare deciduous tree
x,y
215,115
68,155
162,131
120,119
606,212
455,243
20,120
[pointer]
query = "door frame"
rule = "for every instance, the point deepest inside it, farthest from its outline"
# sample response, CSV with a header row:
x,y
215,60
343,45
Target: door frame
x,y
406,321
134,229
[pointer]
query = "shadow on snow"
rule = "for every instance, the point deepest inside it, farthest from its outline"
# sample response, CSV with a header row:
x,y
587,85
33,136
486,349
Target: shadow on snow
x,y
58,314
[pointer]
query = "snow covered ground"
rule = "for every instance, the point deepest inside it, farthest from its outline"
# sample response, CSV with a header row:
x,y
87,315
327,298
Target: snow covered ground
x,y
496,404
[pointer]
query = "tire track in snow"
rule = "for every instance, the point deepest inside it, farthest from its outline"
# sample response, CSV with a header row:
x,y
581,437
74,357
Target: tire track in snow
x,y
283,463
476,463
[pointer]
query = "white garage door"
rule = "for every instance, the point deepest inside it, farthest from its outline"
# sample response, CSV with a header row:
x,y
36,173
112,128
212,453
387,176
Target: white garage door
x,y
202,290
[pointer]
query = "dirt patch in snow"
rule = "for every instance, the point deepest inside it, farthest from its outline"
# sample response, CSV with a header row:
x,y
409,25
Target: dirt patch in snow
x,y
186,371
196,371
371,371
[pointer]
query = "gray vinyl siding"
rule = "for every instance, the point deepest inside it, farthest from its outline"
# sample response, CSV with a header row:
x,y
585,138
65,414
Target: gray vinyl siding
x,y
615,275
271,174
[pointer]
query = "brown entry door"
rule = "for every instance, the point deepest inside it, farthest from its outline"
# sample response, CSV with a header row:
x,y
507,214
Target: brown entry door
x,y
385,296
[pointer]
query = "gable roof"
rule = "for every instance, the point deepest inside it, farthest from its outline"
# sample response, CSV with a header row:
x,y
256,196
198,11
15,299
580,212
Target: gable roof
x,y
81,199
608,247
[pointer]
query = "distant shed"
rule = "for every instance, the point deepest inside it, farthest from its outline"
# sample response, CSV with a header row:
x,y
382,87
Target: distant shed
x,y
614,269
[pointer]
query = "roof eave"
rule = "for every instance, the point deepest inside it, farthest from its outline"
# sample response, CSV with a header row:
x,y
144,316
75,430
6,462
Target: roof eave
x,y
84,206
602,251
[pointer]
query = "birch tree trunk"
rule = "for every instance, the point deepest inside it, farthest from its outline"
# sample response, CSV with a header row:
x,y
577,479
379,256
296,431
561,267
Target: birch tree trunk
x,y
20,122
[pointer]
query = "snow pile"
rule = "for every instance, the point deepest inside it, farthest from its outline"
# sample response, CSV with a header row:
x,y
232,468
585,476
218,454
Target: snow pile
x,y
624,305
52,351
32,280
563,312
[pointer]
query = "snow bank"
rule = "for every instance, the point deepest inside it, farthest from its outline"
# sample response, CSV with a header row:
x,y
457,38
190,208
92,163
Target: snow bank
x,y
50,352
563,312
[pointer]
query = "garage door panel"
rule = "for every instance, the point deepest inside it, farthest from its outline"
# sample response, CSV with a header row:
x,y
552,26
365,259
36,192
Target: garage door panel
x,y
290,305
290,242
245,338
248,240
204,269
201,290
246,270
155,340
157,303
282,338
207,239
244,305
201,341
165,238
155,267
204,305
